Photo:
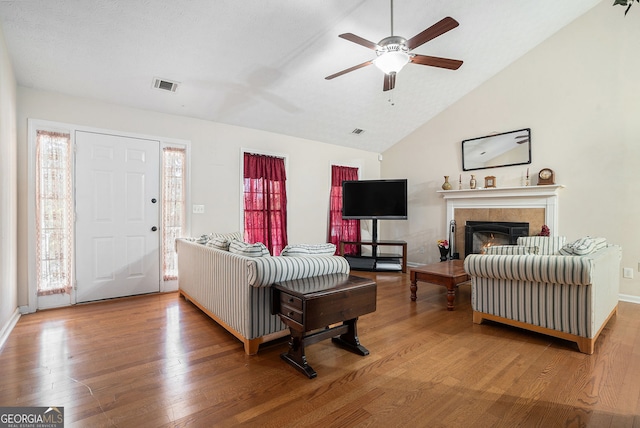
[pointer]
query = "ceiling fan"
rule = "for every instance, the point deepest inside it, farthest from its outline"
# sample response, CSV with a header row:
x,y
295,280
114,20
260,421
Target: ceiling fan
x,y
394,52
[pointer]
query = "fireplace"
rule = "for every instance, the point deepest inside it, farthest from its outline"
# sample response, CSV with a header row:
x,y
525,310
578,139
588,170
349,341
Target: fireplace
x,y
537,205
481,234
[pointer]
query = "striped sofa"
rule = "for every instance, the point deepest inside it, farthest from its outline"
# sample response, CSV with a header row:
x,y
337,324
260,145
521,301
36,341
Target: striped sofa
x,y
234,290
566,296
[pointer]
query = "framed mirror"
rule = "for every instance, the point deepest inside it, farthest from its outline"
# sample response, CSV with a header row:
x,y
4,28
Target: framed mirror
x,y
505,149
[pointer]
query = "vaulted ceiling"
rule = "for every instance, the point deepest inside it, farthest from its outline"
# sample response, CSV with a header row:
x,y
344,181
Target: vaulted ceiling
x,y
261,63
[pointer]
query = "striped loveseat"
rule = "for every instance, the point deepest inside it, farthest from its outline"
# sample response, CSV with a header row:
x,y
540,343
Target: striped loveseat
x,y
234,290
535,286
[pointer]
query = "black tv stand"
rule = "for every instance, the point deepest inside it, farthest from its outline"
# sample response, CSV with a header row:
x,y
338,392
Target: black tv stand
x,y
377,261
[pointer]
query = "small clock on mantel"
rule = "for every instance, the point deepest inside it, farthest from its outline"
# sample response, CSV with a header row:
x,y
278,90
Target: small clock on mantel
x,y
490,181
546,176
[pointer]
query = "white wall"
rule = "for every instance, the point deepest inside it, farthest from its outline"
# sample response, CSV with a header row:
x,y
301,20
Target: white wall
x,y
8,193
579,92
215,167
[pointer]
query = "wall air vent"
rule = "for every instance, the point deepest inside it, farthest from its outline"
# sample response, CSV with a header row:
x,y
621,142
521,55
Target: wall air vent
x,y
357,131
164,84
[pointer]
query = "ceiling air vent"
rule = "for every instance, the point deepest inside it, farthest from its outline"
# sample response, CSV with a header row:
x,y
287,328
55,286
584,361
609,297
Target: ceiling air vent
x,y
164,84
357,131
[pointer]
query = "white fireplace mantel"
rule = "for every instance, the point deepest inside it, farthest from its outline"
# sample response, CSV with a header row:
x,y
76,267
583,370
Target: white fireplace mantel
x,y
506,197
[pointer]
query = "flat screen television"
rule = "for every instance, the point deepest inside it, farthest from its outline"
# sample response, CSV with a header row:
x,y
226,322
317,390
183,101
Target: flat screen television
x,y
375,199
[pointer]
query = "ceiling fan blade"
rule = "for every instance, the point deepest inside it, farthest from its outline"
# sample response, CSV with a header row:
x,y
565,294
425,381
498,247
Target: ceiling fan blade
x,y
359,40
434,61
355,67
437,29
389,81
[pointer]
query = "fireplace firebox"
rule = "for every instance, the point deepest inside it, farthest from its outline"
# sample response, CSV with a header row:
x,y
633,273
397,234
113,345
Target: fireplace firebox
x,y
480,234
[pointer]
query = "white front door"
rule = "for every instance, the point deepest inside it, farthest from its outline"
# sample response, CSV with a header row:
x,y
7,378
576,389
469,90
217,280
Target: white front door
x,y
117,216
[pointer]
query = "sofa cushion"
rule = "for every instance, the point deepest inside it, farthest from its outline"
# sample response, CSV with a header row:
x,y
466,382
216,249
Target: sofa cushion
x,y
309,250
546,244
511,250
583,246
248,250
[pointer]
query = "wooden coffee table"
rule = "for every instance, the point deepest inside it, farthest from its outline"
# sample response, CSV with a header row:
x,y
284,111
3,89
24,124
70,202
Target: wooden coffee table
x,y
450,274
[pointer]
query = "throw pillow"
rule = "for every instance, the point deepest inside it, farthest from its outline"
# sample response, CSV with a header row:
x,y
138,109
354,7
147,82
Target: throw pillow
x,y
220,243
600,243
511,250
309,250
583,246
248,250
203,239
231,236
546,244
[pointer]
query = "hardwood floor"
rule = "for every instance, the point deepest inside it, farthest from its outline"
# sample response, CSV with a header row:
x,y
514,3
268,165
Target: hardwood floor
x,y
158,361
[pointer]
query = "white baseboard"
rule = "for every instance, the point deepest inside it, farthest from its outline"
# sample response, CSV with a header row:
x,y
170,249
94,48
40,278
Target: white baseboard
x,y
8,327
629,298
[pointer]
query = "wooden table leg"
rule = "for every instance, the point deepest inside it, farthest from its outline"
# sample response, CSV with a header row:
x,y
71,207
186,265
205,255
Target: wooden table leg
x,y
349,340
449,283
414,286
451,294
296,356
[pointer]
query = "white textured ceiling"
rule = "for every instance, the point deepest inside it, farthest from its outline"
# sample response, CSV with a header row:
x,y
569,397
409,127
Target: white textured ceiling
x,y
261,63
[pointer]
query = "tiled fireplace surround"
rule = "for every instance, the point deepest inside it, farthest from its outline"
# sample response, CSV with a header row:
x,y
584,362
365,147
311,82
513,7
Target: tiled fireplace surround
x,y
536,205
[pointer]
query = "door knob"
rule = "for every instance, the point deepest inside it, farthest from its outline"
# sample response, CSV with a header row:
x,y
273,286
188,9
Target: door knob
x,y
154,200
153,229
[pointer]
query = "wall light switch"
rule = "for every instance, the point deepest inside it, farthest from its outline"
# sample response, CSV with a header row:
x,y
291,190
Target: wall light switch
x,y
198,209
627,273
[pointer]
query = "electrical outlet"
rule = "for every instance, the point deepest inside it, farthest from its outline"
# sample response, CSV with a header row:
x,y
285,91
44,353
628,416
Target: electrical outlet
x,y
627,273
198,209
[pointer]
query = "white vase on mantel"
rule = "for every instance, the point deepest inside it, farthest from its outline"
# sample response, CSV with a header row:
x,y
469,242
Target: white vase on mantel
x,y
472,182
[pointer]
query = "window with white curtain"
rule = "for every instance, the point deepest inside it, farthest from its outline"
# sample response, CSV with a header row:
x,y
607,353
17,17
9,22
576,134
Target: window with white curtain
x,y
54,213
173,207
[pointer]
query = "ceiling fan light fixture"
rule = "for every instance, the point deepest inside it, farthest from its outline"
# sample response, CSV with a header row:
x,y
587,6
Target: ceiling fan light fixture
x,y
394,52
392,61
